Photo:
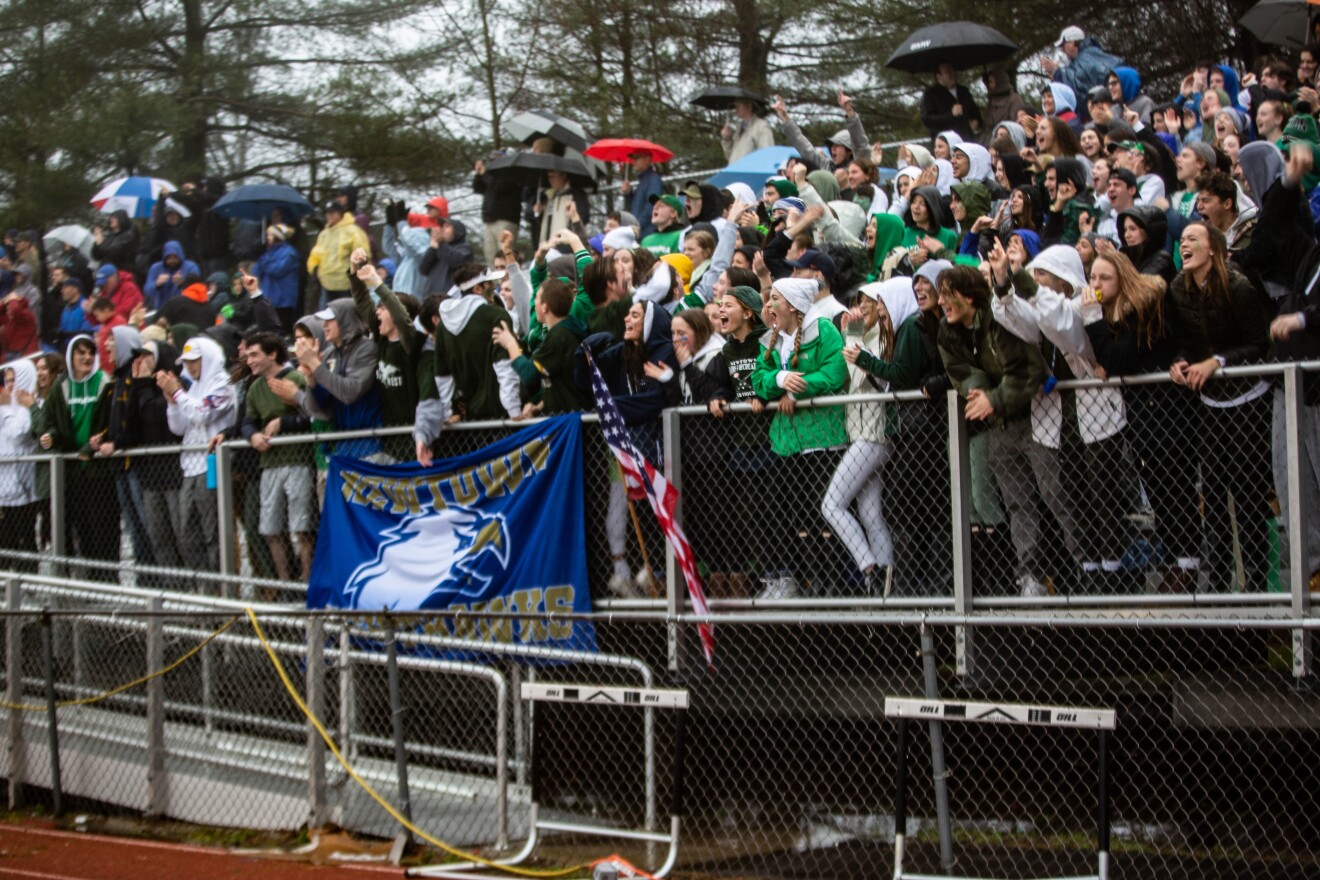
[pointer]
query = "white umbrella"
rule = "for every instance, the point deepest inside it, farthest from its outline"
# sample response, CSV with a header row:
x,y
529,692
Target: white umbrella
x,y
73,235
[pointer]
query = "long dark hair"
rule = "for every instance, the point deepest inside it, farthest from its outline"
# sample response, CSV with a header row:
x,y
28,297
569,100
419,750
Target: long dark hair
x,y
1216,283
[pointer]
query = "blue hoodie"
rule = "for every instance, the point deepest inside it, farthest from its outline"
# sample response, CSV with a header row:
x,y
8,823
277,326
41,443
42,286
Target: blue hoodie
x,y
1231,84
157,295
1130,80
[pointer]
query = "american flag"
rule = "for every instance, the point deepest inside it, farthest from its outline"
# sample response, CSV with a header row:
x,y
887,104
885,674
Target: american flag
x,y
644,481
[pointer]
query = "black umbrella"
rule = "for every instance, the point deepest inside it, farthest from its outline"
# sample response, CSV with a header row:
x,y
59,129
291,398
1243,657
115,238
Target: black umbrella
x,y
1279,22
723,97
536,124
529,169
963,44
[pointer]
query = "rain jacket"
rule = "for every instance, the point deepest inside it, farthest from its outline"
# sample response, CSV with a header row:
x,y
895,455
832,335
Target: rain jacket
x,y
1002,102
277,270
18,480
821,363
1089,69
328,260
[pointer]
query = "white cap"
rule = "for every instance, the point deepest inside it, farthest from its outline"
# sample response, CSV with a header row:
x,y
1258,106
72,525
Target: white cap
x,y
326,314
191,352
1071,34
488,275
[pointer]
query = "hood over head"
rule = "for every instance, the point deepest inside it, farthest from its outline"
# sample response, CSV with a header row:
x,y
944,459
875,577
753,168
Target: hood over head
x,y
921,156
825,185
1072,170
68,352
1030,241
978,159
1064,97
945,178
172,249
1016,133
1062,261
213,377
460,231
656,331
931,269
314,326
25,374
1016,171
126,341
1231,83
931,196
975,197
1262,164
952,138
1130,81
350,323
897,295
997,82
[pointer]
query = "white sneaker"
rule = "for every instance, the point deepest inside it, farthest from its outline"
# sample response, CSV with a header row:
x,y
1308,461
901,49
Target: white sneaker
x,y
623,587
779,586
1032,588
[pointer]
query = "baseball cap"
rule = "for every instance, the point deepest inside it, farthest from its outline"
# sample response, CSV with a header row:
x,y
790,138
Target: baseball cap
x,y
1071,34
671,201
105,273
692,190
1125,175
191,351
814,259
73,282
441,204
334,206
326,314
1099,95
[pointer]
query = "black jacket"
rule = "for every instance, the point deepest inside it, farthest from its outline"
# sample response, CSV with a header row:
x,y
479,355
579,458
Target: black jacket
x,y
501,198
1234,329
937,111
119,248
1150,258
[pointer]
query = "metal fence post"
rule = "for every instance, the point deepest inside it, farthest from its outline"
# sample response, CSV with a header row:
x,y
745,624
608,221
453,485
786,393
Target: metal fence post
x,y
675,590
224,503
52,722
960,501
59,486
1297,515
316,703
14,691
157,784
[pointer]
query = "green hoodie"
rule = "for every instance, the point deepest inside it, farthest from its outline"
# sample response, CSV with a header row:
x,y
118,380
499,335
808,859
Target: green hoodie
x,y
581,308
77,409
821,363
888,235
976,199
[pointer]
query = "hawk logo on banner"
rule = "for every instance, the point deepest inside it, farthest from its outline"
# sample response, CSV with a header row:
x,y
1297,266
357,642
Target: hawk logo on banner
x,y
498,530
438,553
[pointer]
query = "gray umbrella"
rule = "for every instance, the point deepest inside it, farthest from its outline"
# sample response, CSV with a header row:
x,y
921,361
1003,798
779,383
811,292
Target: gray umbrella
x,y
529,168
536,124
1279,22
963,44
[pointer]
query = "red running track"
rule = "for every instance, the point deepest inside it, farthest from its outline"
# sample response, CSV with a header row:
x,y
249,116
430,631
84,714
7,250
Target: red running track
x,y
41,852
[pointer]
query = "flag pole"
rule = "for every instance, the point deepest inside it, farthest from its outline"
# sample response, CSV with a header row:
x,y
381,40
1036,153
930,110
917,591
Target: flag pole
x,y
646,558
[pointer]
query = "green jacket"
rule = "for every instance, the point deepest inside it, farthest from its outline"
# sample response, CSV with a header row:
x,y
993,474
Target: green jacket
x,y
581,308
821,363
989,357
661,243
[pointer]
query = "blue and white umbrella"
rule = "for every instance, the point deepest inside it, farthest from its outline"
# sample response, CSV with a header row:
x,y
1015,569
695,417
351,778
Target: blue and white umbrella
x,y
136,195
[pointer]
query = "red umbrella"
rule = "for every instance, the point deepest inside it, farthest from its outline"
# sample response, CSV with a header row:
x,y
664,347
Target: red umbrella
x,y
623,149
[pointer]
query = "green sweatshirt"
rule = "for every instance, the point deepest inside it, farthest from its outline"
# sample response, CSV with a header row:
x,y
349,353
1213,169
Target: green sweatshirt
x,y
262,405
581,309
989,357
661,243
550,369
821,363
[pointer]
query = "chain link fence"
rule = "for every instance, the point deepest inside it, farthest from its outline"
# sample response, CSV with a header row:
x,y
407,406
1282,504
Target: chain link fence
x,y
1106,492
783,764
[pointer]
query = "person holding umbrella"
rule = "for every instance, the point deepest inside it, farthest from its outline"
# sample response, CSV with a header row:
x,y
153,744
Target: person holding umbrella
x,y
745,134
948,105
648,184
553,206
118,245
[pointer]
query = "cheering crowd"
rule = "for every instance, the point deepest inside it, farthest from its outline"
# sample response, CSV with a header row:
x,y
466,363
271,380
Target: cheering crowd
x,y
1078,230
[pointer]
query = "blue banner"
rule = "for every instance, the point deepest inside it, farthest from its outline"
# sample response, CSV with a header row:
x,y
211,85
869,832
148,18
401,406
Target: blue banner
x,y
496,530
